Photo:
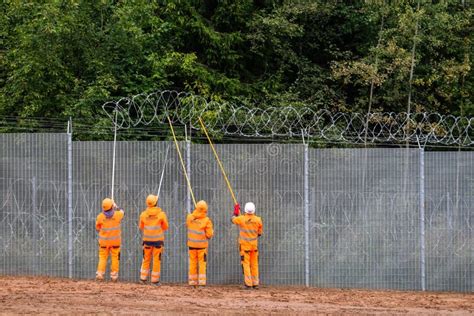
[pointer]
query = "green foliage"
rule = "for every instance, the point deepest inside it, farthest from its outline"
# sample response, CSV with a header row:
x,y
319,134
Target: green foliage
x,y
65,58
443,55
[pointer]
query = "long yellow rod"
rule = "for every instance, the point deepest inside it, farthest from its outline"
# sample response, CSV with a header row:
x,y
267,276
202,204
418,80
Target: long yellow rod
x,y
182,162
218,160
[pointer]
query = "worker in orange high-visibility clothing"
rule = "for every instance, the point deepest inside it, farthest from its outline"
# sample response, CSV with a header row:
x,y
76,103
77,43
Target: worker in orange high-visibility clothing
x,y
108,226
250,228
199,232
153,223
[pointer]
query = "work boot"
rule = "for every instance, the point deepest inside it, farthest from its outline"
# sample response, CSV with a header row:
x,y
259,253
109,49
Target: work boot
x,y
142,281
114,276
255,287
247,287
156,283
99,276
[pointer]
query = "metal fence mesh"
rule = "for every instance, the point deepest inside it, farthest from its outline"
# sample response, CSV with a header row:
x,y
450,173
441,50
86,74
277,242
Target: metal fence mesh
x,y
138,170
449,221
364,218
363,205
33,204
271,177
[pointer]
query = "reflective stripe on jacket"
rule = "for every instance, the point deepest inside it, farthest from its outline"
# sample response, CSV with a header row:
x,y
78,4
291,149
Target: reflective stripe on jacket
x,y
199,230
153,223
250,228
109,229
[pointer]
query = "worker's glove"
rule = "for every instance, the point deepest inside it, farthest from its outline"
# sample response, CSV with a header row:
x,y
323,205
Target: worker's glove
x,y
236,209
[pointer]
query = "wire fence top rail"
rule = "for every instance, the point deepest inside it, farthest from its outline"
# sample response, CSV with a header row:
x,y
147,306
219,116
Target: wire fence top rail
x,y
231,119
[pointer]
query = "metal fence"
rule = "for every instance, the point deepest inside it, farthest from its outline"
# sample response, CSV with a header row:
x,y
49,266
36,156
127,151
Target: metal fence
x,y
361,218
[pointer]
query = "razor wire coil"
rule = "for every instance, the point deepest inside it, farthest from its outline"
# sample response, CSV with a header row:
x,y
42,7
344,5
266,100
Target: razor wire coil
x,y
230,119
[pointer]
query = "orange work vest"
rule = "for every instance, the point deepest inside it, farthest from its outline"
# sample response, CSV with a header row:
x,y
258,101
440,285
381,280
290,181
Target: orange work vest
x,y
197,231
109,229
250,228
153,220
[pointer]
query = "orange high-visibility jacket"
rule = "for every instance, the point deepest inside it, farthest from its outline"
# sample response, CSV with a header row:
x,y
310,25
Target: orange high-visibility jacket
x,y
199,229
153,223
250,228
109,229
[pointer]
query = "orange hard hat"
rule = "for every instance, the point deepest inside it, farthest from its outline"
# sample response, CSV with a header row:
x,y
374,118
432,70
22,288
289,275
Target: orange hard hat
x,y
201,205
151,200
107,204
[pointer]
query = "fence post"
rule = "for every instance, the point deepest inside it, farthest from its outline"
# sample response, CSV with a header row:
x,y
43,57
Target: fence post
x,y
422,218
69,197
34,230
448,209
306,214
188,170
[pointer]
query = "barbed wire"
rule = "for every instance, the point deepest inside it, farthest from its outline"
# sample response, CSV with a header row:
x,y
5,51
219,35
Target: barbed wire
x,y
230,119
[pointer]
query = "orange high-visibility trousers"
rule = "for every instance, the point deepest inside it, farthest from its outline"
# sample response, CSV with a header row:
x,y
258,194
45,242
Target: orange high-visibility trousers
x,y
104,252
197,257
249,260
148,253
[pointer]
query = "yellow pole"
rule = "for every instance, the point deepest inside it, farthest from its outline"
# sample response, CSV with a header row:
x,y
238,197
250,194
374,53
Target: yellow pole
x,y
218,160
182,162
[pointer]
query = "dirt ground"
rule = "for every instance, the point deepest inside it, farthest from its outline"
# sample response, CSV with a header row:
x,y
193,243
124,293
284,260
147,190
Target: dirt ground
x,y
63,296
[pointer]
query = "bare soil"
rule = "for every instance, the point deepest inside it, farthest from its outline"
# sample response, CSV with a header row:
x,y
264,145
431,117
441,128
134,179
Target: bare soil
x,y
44,295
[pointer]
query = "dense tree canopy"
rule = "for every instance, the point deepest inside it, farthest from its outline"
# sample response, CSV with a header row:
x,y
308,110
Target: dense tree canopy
x,y
65,58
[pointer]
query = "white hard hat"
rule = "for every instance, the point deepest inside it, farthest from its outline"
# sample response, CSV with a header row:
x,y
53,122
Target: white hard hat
x,y
249,208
